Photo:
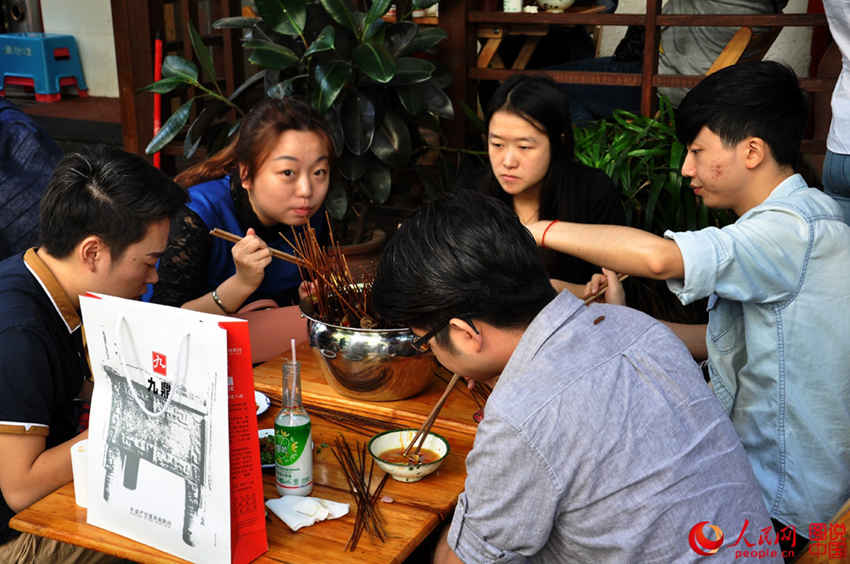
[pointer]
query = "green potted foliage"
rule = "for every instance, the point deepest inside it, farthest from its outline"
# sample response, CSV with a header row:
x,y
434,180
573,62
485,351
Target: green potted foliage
x,y
644,158
367,76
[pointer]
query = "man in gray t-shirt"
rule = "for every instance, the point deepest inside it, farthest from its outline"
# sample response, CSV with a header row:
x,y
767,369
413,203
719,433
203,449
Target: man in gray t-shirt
x,y
692,50
601,441
684,50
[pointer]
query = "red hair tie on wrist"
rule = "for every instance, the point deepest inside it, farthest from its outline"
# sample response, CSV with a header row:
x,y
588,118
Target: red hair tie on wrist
x,y
543,238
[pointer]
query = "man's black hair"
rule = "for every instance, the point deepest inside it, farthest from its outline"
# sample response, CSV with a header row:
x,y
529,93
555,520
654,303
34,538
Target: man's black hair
x,y
464,256
759,99
106,192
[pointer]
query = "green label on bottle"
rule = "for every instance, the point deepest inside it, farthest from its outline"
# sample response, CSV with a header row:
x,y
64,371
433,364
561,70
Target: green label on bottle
x,y
290,442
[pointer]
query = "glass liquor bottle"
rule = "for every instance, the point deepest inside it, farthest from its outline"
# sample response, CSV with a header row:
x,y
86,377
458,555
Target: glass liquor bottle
x,y
293,437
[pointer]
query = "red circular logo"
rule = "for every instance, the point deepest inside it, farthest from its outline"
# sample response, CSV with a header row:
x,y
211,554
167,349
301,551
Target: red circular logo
x,y
700,543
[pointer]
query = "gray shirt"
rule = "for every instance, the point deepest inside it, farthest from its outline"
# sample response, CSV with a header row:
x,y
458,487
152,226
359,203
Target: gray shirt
x,y
602,443
692,50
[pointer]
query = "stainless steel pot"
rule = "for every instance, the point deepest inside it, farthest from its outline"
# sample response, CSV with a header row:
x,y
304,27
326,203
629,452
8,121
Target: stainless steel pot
x,y
369,364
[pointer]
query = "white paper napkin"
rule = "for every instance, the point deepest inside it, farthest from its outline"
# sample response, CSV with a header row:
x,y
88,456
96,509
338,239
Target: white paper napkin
x,y
298,512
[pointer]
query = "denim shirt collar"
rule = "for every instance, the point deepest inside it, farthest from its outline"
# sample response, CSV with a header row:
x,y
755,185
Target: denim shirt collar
x,y
784,189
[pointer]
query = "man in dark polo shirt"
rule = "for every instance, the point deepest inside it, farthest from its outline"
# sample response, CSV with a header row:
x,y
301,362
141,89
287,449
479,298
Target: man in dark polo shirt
x,y
104,222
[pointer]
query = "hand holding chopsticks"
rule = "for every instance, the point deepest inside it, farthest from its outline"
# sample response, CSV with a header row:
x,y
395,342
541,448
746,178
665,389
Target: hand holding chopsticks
x,y
429,422
233,238
602,290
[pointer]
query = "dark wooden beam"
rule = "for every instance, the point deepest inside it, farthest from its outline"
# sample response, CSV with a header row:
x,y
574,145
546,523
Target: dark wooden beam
x,y
649,65
457,54
132,27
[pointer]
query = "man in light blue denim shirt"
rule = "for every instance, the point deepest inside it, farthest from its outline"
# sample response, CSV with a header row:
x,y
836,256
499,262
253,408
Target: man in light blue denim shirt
x,y
600,442
778,336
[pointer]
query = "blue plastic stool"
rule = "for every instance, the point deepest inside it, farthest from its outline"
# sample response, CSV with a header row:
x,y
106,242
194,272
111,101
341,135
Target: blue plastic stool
x,y
44,61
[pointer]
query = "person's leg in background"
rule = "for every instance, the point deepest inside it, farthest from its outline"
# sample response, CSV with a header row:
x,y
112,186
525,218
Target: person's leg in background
x,y
836,180
592,101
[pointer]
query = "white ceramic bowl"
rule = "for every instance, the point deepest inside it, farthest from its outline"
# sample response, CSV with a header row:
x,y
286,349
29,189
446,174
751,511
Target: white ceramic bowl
x,y
407,472
554,6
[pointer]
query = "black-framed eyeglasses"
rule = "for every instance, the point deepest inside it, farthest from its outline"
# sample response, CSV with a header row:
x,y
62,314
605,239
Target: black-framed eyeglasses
x,y
422,343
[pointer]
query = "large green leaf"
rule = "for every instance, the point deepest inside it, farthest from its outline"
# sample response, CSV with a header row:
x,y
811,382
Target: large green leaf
x,y
392,143
170,129
358,122
426,38
371,30
412,99
202,52
336,201
255,78
270,55
352,167
399,35
287,17
286,88
410,70
195,133
235,23
437,101
271,46
323,42
378,183
177,66
335,129
442,78
377,10
341,12
164,86
331,78
375,61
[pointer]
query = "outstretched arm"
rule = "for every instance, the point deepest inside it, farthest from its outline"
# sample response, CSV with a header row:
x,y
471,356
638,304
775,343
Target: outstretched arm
x,y
623,249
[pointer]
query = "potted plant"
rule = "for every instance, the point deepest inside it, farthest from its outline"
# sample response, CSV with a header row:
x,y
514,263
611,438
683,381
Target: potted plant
x,y
370,78
644,158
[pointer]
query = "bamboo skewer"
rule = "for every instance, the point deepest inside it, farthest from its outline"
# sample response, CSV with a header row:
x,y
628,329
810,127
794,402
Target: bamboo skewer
x,y
353,463
233,238
429,422
602,290
331,269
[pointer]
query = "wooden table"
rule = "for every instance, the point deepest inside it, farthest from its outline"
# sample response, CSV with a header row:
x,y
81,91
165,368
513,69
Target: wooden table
x,y
455,418
418,508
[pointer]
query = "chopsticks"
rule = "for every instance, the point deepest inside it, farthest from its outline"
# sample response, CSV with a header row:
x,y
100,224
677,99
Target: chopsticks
x,y
233,238
426,426
601,291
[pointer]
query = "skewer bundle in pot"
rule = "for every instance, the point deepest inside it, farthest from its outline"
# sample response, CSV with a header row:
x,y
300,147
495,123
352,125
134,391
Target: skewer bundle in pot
x,y
338,297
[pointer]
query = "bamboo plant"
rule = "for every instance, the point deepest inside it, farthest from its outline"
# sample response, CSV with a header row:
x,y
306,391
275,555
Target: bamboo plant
x,y
644,158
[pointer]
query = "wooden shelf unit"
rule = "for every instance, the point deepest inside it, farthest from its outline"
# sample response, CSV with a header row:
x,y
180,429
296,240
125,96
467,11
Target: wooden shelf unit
x,y
461,19
135,24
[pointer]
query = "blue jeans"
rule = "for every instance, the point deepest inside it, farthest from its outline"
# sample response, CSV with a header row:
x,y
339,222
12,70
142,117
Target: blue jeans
x,y
591,101
836,180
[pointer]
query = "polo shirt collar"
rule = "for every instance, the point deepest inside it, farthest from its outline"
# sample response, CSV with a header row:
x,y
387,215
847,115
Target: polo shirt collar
x,y
55,292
